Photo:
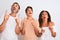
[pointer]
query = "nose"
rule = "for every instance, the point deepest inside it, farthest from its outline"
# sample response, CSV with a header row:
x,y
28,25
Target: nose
x,y
13,7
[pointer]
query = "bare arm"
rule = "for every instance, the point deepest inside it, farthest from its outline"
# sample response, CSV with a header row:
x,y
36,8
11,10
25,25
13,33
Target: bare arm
x,y
37,28
23,30
53,33
17,30
2,26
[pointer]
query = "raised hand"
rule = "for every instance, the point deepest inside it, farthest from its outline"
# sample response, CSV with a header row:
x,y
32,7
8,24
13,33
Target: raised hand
x,y
42,30
6,16
17,21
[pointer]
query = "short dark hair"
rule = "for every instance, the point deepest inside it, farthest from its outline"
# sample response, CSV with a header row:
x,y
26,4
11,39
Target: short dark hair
x,y
28,8
17,4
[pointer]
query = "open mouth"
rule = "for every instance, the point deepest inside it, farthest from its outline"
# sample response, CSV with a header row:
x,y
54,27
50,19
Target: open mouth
x,y
14,8
30,13
44,17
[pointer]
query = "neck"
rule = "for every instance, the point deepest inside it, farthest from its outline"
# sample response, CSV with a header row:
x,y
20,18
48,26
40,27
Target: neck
x,y
29,18
45,23
13,14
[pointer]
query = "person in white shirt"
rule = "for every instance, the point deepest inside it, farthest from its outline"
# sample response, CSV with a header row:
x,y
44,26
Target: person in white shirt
x,y
10,28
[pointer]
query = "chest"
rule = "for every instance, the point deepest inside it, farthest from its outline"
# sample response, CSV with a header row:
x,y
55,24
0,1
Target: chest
x,y
10,24
28,25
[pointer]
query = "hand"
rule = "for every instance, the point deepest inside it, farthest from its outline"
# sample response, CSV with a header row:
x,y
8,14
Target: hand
x,y
17,20
33,23
23,31
42,31
39,35
6,16
53,34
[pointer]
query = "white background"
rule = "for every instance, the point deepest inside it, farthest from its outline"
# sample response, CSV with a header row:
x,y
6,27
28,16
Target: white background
x,y
53,6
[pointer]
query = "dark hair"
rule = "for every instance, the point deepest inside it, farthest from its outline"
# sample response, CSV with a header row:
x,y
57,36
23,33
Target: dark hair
x,y
40,19
17,4
28,8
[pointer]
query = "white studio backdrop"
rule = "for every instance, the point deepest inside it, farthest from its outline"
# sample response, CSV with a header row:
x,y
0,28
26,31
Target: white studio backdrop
x,y
53,6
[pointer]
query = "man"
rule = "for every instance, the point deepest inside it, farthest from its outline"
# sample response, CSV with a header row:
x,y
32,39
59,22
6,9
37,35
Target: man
x,y
9,28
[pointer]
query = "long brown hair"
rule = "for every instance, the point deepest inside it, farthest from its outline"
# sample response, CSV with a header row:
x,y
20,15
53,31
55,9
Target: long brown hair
x,y
40,17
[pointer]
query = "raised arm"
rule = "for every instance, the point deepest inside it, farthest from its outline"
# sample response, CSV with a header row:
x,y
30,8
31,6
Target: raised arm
x,y
22,25
53,33
17,30
37,28
2,26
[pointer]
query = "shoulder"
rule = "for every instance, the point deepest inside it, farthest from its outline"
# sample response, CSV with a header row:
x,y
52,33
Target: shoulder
x,y
35,20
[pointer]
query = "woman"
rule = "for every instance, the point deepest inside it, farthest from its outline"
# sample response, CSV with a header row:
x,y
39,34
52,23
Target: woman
x,y
46,25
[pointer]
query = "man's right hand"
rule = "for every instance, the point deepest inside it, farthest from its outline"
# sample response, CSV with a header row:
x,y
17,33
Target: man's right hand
x,y
6,16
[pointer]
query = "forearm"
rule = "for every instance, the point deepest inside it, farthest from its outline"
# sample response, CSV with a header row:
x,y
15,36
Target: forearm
x,y
51,29
38,32
2,26
23,30
17,29
53,33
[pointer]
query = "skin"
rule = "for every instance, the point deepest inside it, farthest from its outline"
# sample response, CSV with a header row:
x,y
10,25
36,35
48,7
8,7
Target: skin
x,y
2,26
29,18
14,11
50,25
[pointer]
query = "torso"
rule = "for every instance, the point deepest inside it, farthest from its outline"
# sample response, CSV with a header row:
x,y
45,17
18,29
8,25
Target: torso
x,y
46,35
9,31
29,30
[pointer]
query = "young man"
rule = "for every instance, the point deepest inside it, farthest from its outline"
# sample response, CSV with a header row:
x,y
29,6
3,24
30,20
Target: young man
x,y
10,29
29,25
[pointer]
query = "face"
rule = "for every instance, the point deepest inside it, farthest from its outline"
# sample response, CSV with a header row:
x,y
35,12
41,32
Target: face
x,y
29,12
44,16
15,8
